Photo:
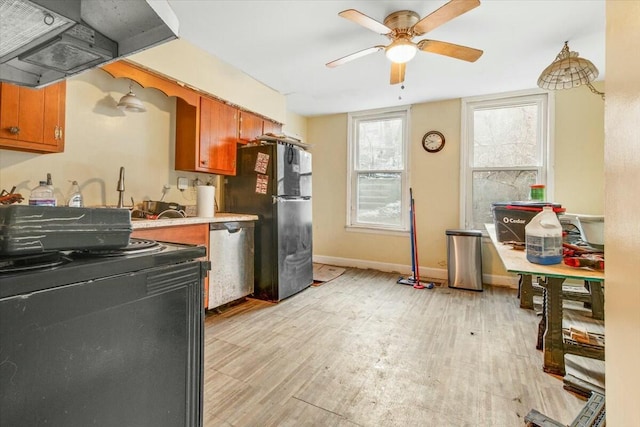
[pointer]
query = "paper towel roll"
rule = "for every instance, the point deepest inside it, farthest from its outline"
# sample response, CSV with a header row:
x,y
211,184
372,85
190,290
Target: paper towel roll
x,y
205,200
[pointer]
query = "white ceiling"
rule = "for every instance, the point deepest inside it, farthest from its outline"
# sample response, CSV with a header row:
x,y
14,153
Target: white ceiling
x,y
286,44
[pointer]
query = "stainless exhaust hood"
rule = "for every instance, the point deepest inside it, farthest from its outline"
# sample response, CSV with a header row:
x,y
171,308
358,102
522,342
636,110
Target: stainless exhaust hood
x,y
44,41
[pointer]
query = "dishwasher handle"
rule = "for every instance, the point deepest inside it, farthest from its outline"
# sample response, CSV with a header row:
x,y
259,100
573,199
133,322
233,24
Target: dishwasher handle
x,y
231,226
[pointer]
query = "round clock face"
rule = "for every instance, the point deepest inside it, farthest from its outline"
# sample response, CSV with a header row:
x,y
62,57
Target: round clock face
x,y
433,141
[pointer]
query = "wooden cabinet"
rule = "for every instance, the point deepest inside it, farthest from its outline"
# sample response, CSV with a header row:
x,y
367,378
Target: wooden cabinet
x,y
207,129
32,119
250,127
191,234
206,137
272,127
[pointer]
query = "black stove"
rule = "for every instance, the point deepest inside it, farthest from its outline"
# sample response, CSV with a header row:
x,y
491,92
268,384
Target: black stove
x,y
34,272
90,329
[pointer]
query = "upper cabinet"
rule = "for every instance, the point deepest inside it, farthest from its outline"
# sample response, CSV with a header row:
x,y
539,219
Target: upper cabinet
x,y
206,137
207,129
32,119
272,127
249,127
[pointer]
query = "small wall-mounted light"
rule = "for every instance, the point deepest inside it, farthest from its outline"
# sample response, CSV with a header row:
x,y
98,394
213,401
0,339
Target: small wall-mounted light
x,y
130,102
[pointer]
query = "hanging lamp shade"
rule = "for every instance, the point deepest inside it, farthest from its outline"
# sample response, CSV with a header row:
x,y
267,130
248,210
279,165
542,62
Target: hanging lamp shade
x,y
568,70
131,103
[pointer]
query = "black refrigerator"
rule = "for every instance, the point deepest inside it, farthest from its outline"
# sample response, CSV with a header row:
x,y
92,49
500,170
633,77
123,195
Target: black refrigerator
x,y
273,181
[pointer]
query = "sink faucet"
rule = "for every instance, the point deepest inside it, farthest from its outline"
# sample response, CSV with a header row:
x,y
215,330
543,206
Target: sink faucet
x,y
121,188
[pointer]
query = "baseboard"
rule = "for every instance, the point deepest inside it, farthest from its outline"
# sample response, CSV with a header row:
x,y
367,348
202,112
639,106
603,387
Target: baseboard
x,y
433,273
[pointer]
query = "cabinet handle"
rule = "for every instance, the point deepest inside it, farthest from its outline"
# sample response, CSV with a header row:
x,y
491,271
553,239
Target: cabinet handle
x,y
14,130
60,132
56,133
204,162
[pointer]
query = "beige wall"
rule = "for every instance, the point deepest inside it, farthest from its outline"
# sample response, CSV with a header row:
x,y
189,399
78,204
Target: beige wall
x,y
187,63
622,204
579,184
99,138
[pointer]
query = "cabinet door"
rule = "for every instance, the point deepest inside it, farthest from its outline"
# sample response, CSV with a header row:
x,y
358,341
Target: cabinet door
x,y
272,127
250,127
218,136
54,115
32,119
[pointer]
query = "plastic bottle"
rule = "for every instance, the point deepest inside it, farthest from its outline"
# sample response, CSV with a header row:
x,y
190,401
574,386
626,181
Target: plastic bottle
x,y
75,198
543,235
42,195
537,192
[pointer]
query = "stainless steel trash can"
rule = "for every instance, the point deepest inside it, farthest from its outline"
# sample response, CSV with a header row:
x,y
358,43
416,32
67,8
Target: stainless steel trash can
x,y
464,259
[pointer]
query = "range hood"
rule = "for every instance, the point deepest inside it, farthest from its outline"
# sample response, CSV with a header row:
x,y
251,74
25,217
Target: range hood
x,y
44,41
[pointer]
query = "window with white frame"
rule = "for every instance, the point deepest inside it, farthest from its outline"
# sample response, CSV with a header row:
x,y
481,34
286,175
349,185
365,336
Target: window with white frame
x,y
506,147
378,169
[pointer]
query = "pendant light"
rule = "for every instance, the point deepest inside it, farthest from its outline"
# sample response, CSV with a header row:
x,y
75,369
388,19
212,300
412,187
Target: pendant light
x,y
567,71
130,102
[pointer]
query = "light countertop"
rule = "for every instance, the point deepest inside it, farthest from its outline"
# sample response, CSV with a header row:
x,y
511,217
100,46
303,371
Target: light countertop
x,y
139,224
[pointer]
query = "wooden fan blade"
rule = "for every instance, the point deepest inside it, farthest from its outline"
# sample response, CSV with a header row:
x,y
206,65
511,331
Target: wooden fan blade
x,y
367,22
353,56
397,72
446,13
449,49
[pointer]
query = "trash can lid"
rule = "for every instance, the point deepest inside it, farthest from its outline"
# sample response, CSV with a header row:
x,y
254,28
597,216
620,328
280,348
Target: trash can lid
x,y
474,233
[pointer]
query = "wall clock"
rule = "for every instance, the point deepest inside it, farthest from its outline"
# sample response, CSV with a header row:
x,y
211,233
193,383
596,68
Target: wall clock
x,y
433,141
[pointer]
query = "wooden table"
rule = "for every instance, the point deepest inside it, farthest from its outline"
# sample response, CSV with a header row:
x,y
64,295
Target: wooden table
x,y
551,278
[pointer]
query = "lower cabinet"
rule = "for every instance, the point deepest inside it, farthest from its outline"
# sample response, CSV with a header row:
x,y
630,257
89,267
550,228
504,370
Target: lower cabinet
x,y
191,234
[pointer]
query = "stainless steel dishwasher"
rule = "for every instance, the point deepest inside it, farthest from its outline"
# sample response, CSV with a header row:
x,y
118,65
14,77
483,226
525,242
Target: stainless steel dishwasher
x,y
231,251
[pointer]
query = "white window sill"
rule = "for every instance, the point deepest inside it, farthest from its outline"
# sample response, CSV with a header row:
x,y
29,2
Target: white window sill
x,y
376,230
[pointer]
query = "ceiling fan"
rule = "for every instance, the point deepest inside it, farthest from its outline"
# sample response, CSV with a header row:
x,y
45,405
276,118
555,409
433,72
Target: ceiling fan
x,y
402,26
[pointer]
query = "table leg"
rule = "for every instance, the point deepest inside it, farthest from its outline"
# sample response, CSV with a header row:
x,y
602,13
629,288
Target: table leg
x,y
526,291
553,342
597,300
542,326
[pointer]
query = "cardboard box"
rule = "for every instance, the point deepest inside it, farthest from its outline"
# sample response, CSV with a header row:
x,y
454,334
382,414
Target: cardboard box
x,y
510,218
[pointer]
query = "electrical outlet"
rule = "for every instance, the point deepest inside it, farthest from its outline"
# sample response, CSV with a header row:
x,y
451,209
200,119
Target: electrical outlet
x,y
183,183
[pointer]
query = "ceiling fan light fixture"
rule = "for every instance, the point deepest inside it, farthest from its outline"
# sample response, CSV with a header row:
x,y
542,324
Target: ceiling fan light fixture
x,y
130,102
567,71
401,51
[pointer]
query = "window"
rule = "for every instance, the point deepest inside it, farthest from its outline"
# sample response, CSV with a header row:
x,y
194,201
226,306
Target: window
x,y
506,147
377,175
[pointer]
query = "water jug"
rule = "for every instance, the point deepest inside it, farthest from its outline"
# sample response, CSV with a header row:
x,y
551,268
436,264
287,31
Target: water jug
x,y
543,235
42,195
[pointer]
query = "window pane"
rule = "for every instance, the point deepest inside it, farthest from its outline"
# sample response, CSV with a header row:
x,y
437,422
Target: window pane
x,y
506,136
498,186
379,145
379,198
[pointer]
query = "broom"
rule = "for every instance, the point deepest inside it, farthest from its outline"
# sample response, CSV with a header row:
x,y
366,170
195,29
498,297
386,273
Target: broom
x,y
414,280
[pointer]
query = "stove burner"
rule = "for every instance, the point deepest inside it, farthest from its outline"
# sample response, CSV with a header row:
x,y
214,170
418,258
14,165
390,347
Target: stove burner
x,y
135,246
28,262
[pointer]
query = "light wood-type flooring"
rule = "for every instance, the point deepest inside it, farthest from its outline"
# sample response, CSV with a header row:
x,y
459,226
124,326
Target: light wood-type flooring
x,y
362,350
